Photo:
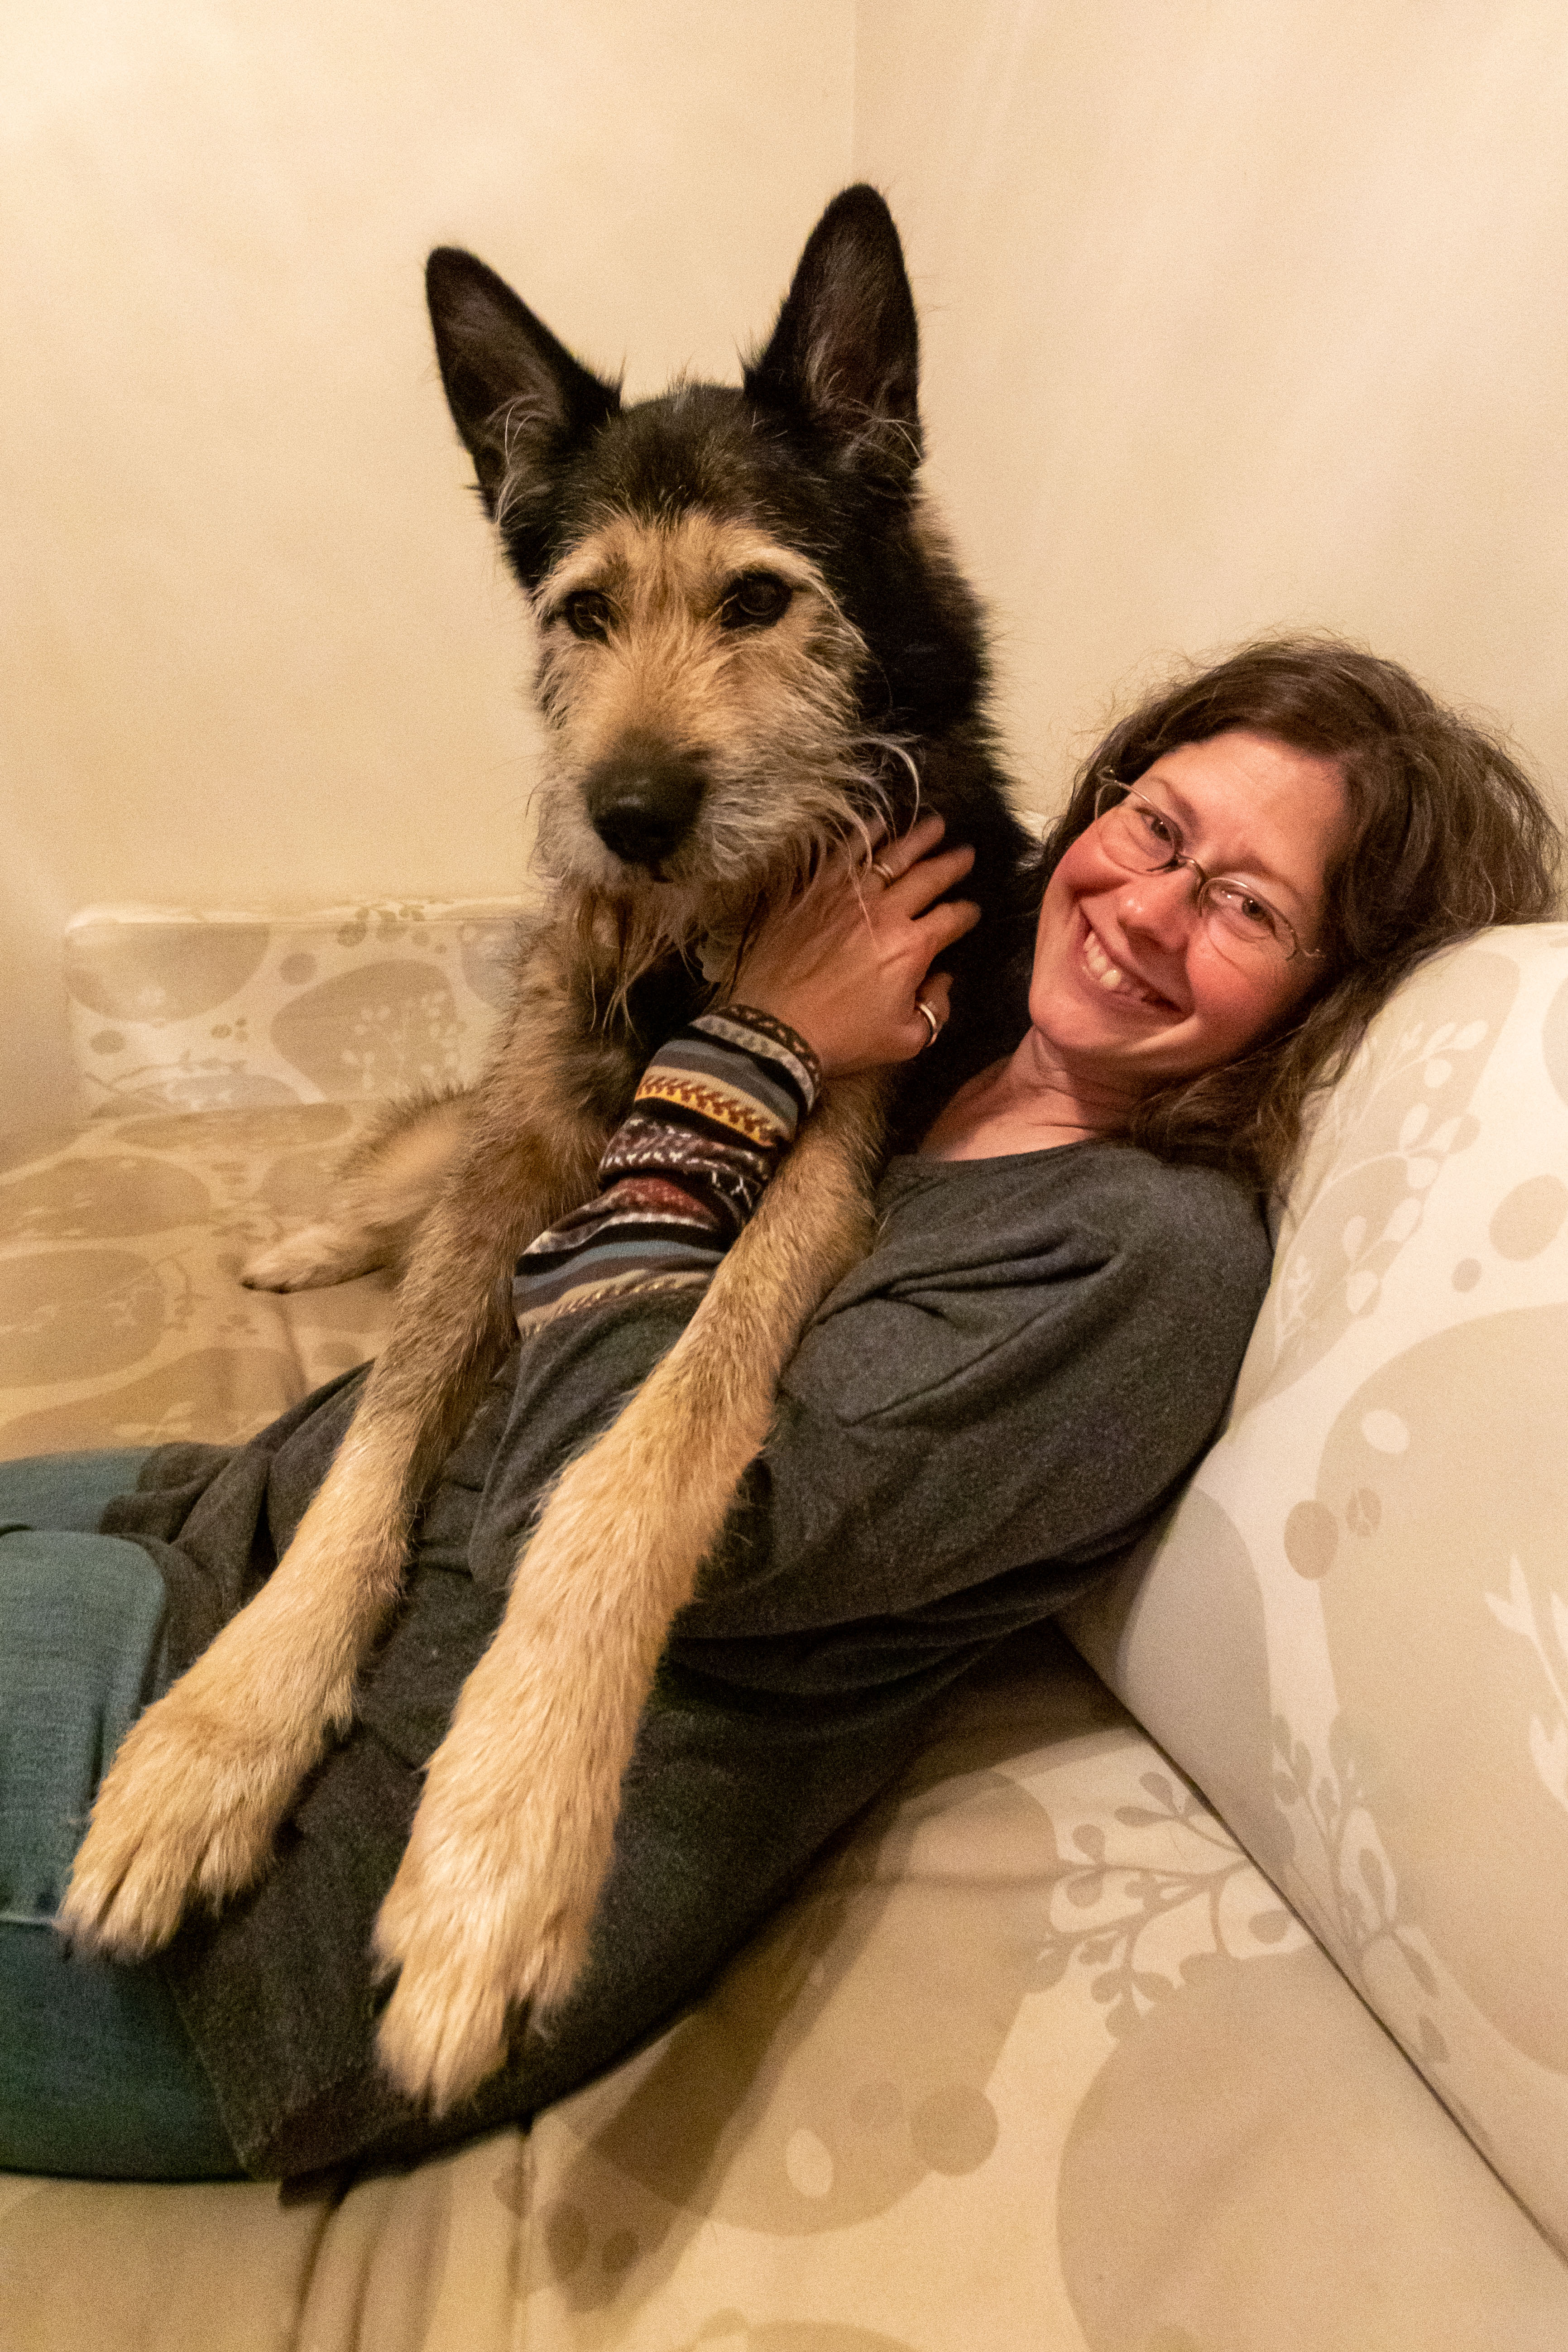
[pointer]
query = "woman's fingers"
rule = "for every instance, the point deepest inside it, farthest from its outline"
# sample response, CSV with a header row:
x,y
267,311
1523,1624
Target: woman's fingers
x,y
913,869
936,990
942,924
929,1017
930,879
891,860
845,961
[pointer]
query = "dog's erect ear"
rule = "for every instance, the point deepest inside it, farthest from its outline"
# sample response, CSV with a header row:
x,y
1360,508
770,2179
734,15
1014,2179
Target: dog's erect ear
x,y
514,391
846,348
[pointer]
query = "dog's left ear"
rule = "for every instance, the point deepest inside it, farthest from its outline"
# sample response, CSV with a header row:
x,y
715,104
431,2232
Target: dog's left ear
x,y
847,349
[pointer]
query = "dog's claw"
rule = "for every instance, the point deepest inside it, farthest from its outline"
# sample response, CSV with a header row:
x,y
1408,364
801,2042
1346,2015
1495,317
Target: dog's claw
x,y
122,1903
463,1980
445,2028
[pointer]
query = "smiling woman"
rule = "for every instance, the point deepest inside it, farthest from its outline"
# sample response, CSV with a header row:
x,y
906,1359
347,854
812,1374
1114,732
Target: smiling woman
x,y
989,1408
1150,967
1379,824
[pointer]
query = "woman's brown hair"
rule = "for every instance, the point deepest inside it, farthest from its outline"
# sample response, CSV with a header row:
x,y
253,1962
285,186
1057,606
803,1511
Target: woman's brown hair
x,y
1447,834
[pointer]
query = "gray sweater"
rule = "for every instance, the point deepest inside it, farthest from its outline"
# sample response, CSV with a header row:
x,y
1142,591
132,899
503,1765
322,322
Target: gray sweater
x,y
980,1418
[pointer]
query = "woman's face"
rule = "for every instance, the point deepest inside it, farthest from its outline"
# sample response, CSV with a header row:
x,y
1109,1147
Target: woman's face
x,y
1131,987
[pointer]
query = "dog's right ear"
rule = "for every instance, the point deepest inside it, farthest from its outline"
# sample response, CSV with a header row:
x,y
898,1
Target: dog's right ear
x,y
516,395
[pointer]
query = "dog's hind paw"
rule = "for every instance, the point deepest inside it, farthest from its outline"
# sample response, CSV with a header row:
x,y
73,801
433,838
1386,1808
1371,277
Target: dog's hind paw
x,y
315,1258
187,1813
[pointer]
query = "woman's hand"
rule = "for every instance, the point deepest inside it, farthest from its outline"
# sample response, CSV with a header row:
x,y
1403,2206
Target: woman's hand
x,y
845,961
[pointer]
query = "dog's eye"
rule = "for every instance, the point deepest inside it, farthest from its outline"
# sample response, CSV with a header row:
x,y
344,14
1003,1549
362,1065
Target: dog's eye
x,y
755,600
588,615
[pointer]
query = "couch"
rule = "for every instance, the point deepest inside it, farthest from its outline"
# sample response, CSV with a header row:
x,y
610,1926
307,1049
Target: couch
x,y
1205,1985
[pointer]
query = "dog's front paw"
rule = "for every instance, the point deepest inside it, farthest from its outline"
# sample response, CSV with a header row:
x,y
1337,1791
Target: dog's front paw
x,y
188,1810
489,1916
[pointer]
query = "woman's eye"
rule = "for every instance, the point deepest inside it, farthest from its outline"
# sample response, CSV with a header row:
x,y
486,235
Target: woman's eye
x,y
1162,834
588,615
1246,912
755,600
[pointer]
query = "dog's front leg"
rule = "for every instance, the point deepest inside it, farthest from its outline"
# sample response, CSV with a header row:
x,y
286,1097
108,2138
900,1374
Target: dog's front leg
x,y
190,1803
512,1840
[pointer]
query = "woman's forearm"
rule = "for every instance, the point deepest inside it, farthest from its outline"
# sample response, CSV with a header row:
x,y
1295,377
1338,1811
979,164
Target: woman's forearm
x,y
717,1108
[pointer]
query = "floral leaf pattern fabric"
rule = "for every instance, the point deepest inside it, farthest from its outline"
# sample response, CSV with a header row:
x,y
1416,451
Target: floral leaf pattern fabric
x,y
1391,1497
121,1321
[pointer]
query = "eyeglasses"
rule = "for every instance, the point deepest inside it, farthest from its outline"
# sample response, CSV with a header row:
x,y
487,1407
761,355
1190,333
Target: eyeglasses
x,y
1145,840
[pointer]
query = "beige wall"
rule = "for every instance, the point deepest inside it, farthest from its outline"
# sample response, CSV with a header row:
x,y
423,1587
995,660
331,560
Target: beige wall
x,y
1237,313
257,647
1240,314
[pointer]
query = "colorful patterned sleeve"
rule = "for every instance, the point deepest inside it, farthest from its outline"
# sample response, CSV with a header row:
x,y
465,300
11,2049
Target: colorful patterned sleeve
x,y
717,1108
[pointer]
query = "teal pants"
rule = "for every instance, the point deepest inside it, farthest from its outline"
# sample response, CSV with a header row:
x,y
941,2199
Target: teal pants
x,y
98,2076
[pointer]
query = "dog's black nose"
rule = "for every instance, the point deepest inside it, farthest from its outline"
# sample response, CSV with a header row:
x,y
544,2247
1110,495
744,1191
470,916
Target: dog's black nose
x,y
642,800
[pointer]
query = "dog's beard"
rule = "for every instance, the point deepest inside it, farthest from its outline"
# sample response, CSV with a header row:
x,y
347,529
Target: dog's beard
x,y
706,904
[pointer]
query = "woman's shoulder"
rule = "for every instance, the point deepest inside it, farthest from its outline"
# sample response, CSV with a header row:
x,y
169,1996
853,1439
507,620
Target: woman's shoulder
x,y
995,1242
1208,1204
1117,1190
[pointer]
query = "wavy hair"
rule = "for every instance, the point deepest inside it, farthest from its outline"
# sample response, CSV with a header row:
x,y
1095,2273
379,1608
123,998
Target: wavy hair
x,y
1447,834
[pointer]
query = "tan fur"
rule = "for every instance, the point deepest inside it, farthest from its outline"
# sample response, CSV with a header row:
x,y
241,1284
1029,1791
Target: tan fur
x,y
513,1838
771,714
200,1783
493,1901
381,1193
772,709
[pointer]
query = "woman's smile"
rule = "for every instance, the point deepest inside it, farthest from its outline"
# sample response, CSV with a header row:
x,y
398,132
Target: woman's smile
x,y
1114,978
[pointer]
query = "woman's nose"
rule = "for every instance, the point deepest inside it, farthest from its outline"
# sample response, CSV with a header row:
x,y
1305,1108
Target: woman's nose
x,y
1164,906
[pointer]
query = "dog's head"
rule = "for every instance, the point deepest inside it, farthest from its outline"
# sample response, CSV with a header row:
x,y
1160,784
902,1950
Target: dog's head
x,y
740,610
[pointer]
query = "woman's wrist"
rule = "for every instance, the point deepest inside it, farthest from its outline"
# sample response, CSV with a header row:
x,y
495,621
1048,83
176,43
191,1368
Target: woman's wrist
x,y
785,1063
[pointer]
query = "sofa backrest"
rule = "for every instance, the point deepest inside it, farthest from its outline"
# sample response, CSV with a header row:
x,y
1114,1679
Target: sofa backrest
x,y
1353,1632
175,1010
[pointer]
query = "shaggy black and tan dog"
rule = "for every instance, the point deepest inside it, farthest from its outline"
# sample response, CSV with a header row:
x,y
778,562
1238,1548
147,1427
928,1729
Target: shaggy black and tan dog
x,y
753,645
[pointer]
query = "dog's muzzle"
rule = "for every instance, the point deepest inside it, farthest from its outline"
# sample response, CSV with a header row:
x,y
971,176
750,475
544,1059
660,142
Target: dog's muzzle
x,y
643,800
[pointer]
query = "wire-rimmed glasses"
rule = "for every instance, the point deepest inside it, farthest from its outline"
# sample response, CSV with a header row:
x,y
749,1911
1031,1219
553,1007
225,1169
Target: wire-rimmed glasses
x,y
1141,838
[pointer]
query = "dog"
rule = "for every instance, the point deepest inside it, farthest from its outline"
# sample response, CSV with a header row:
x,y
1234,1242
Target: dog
x,y
754,647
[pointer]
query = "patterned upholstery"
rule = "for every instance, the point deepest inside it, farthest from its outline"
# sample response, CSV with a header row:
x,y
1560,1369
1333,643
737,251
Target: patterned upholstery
x,y
1038,2056
1354,1633
175,1010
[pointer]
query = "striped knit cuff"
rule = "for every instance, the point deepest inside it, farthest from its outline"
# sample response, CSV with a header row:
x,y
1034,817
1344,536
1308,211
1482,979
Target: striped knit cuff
x,y
718,1108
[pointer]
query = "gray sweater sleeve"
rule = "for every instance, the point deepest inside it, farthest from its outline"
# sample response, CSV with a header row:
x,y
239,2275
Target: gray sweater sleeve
x,y
999,1397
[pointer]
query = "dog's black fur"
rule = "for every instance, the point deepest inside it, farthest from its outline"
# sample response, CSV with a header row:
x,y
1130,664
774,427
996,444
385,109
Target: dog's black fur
x,y
820,450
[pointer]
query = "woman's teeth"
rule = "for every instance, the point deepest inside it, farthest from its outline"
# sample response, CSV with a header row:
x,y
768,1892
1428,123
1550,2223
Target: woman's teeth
x,y
1109,975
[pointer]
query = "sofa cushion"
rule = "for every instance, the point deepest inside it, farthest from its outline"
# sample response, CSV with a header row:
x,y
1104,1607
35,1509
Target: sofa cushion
x,y
1353,1631
1035,2058
121,1322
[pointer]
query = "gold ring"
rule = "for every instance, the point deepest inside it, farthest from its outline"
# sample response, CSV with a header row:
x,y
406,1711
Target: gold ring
x,y
885,872
932,1024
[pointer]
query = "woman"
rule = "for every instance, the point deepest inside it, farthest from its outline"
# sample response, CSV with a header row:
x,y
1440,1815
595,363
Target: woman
x,y
981,1418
